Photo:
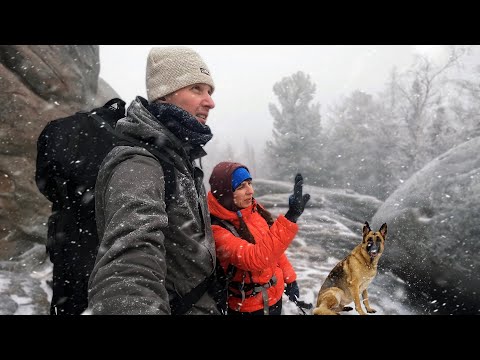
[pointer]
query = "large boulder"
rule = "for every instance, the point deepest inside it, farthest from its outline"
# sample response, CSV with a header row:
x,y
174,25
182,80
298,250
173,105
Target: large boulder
x,y
38,83
434,231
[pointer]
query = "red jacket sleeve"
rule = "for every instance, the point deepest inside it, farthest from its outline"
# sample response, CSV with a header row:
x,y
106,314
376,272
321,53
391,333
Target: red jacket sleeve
x,y
266,252
289,274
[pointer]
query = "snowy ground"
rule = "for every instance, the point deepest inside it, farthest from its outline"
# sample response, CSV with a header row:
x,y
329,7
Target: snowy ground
x,y
23,284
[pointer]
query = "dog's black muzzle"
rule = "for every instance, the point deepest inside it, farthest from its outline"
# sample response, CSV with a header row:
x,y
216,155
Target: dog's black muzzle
x,y
372,249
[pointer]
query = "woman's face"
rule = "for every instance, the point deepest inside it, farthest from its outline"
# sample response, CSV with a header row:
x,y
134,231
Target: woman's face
x,y
243,195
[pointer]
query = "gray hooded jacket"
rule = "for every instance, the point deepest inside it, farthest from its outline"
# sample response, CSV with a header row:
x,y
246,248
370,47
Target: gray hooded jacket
x,y
147,254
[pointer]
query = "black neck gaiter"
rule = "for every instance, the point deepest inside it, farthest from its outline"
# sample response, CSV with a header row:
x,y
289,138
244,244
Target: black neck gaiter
x,y
181,123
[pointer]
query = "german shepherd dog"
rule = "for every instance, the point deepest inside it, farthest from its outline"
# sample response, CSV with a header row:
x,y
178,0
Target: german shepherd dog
x,y
352,276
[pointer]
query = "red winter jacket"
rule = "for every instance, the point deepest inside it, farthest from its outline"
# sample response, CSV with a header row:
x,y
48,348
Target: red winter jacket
x,y
263,259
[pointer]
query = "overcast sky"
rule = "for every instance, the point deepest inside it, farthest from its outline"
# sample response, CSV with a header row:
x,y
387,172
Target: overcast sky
x,y
244,76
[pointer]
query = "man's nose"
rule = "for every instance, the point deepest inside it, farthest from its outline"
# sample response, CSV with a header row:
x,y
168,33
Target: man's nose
x,y
208,101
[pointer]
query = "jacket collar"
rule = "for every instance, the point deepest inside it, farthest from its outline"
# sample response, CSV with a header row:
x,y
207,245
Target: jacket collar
x,y
216,209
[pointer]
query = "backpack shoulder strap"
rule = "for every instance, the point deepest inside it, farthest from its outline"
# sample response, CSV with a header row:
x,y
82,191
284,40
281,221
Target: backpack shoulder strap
x,y
167,166
225,224
231,269
180,305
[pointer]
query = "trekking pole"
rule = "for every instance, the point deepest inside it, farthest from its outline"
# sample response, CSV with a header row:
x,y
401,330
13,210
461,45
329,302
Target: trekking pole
x,y
302,305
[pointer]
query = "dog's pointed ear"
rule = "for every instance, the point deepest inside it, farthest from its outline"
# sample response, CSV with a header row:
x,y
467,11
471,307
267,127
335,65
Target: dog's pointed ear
x,y
383,230
366,229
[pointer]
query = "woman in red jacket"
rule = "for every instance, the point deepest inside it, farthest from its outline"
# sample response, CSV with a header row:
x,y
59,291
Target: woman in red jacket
x,y
254,248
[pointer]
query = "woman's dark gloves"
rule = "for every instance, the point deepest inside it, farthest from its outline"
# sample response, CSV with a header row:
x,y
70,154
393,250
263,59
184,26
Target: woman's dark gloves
x,y
292,291
297,201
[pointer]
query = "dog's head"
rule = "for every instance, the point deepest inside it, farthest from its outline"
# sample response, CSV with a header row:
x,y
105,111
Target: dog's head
x,y
374,242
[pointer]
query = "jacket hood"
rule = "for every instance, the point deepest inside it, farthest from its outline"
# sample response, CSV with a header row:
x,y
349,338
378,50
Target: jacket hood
x,y
221,183
219,211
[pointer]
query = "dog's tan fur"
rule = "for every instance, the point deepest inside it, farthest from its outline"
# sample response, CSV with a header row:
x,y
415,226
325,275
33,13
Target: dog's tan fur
x,y
352,276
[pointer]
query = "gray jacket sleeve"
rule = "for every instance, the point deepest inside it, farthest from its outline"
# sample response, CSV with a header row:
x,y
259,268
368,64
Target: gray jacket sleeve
x,y
130,269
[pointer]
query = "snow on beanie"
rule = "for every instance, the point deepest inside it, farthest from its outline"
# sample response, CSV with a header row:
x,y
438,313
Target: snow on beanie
x,y
172,68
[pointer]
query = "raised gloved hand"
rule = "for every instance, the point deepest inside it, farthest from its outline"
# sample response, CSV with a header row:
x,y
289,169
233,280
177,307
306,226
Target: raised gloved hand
x,y
296,201
292,291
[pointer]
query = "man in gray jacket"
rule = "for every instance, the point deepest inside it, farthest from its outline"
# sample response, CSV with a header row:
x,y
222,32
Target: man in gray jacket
x,y
155,250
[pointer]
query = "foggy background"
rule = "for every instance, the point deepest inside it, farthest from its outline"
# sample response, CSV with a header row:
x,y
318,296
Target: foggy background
x,y
416,100
244,76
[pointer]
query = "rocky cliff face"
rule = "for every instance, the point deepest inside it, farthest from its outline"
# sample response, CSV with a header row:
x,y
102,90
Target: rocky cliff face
x,y
38,83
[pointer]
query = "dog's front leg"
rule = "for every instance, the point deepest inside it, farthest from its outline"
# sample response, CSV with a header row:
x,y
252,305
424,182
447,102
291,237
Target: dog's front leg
x,y
356,299
365,301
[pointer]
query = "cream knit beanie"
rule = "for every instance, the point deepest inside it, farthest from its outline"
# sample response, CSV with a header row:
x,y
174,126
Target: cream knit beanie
x,y
172,68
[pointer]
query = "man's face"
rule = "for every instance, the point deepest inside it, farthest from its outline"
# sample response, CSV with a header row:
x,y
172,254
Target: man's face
x,y
195,99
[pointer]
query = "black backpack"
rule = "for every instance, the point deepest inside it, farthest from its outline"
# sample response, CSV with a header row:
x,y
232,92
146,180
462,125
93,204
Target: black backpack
x,y
70,151
69,154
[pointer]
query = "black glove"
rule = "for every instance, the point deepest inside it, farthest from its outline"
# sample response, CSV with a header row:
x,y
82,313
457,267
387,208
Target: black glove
x,y
296,201
292,291
303,305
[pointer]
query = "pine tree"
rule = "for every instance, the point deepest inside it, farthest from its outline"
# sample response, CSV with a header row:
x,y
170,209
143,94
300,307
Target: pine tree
x,y
296,134
357,151
422,103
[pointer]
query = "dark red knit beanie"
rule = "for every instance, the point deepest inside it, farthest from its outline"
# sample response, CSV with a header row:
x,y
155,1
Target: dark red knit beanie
x,y
221,183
